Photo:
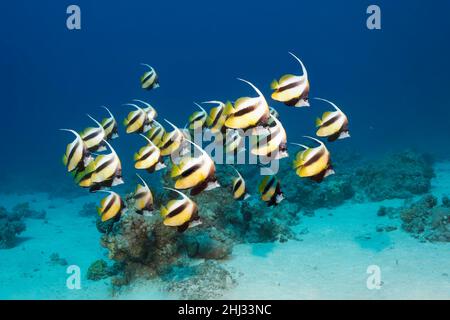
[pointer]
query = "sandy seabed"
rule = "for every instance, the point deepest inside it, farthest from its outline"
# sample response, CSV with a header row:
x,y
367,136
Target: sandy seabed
x,y
329,262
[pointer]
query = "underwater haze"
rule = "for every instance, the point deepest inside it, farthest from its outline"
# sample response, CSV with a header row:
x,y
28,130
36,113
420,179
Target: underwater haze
x,y
384,210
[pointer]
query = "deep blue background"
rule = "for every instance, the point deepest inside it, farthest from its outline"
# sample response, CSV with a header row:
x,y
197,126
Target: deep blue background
x,y
393,84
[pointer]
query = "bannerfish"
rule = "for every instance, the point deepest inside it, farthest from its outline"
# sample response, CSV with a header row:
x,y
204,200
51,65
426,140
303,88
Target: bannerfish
x,y
249,112
292,90
149,79
156,132
171,141
107,170
137,120
149,157
111,207
272,142
218,115
110,126
271,191
195,173
313,163
143,198
94,137
77,156
234,142
333,124
181,213
149,110
274,113
83,178
239,187
198,118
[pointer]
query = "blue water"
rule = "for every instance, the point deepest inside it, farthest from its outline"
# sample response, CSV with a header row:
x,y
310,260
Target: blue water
x,y
392,83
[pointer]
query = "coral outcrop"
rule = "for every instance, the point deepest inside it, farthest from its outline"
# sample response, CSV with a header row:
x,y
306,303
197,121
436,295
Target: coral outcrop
x,y
426,219
11,225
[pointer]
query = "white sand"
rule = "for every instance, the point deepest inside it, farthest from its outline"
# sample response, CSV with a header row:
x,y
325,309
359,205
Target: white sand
x,y
330,262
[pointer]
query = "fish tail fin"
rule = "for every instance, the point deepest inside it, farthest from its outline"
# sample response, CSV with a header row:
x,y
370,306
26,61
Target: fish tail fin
x,y
228,107
64,160
318,122
274,84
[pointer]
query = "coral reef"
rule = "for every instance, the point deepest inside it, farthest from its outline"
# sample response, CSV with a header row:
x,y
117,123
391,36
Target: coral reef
x,y
23,209
398,175
145,248
11,225
207,280
425,219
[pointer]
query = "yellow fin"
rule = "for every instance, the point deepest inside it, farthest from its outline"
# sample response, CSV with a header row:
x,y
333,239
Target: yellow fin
x,y
228,108
318,122
274,85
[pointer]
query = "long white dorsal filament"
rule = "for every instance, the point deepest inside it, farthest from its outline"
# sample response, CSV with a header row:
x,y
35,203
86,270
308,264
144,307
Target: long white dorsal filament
x,y
305,73
334,105
179,192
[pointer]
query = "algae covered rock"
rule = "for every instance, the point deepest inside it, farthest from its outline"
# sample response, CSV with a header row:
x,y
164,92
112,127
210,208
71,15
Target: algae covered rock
x,y
99,270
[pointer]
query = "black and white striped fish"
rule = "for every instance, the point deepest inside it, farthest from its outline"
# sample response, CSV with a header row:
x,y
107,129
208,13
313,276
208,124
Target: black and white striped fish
x,y
271,191
271,142
149,110
77,156
333,125
195,173
149,157
198,119
313,163
111,207
180,213
239,187
105,170
149,79
137,120
110,126
171,141
249,112
93,137
156,132
143,198
292,90
217,116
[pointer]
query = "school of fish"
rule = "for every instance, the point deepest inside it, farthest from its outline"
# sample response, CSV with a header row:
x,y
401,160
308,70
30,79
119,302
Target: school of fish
x,y
94,164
